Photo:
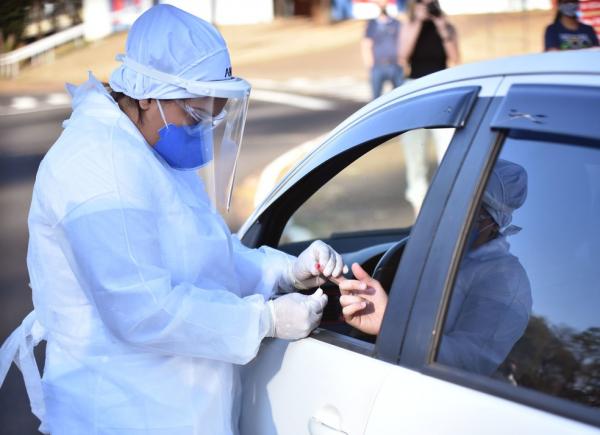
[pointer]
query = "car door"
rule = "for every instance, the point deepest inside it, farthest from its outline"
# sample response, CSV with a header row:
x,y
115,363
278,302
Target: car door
x,y
547,380
327,383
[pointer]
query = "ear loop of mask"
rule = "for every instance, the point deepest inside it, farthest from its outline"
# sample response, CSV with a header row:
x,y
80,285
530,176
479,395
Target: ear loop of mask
x,y
162,114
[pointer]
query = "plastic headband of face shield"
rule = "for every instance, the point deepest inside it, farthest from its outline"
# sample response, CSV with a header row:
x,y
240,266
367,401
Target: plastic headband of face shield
x,y
234,87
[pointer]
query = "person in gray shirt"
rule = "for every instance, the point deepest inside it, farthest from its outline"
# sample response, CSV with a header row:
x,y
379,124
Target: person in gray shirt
x,y
380,50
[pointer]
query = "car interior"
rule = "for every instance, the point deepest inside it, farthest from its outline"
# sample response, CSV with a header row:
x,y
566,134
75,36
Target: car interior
x,y
374,236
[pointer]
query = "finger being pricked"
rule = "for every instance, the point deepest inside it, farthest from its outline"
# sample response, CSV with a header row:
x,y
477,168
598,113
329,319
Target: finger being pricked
x,y
353,286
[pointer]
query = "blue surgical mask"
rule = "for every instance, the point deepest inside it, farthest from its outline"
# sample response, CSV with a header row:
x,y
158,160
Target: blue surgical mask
x,y
569,9
184,147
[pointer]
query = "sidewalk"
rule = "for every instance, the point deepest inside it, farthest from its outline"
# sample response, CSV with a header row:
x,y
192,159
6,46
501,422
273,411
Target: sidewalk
x,y
295,52
273,51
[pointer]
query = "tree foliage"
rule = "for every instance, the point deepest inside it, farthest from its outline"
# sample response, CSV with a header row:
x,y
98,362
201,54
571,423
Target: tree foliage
x,y
559,361
16,15
13,19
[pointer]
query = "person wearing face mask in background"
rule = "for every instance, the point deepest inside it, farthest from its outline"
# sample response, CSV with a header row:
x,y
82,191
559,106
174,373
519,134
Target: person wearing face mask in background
x,y
567,32
428,43
380,50
146,300
491,301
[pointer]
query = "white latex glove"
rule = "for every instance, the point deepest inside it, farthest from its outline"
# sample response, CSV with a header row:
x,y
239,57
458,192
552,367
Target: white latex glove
x,y
317,261
295,315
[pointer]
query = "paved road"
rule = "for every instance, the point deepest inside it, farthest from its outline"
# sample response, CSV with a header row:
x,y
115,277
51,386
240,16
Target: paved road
x,y
29,125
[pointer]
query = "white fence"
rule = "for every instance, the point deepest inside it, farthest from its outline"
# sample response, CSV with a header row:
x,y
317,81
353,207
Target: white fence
x,y
38,51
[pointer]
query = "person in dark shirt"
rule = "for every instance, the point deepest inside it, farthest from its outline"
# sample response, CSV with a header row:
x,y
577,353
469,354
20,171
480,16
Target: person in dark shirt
x,y
380,50
428,44
567,32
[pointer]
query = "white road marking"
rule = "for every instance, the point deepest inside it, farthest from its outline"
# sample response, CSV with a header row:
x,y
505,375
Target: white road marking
x,y
301,101
57,99
24,103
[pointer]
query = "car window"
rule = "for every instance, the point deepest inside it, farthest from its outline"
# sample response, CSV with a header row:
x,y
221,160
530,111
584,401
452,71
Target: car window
x,y
525,301
382,189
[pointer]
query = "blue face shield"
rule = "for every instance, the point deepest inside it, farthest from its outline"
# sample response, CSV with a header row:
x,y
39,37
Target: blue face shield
x,y
184,147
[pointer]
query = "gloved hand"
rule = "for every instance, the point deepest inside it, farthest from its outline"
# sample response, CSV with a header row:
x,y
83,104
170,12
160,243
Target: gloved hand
x,y
295,315
309,269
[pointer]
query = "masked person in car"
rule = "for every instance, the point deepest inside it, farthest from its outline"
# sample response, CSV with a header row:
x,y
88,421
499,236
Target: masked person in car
x,y
147,302
491,300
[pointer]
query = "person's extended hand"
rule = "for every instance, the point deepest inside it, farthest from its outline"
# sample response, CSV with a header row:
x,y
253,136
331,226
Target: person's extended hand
x,y
363,301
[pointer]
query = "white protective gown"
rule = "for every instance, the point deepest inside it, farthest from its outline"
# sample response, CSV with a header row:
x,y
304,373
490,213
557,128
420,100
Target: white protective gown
x,y
489,309
146,300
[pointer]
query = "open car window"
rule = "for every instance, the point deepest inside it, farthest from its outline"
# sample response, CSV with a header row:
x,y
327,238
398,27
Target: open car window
x,y
367,210
384,189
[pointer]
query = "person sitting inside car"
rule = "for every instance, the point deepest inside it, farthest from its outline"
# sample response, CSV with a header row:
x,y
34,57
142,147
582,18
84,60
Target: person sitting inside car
x,y
491,300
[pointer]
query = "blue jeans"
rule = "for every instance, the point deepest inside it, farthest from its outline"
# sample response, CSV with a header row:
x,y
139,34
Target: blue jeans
x,y
382,73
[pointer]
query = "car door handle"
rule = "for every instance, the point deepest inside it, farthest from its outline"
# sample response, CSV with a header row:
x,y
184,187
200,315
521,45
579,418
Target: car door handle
x,y
326,421
317,427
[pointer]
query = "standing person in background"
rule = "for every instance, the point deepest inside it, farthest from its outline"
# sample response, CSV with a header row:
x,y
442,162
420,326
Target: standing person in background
x,y
380,50
428,44
429,41
567,32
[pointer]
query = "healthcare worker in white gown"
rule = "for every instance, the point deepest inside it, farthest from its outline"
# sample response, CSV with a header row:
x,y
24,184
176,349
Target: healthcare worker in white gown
x,y
491,301
147,302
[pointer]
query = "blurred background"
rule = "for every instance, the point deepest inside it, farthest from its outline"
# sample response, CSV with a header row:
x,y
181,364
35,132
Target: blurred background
x,y
301,56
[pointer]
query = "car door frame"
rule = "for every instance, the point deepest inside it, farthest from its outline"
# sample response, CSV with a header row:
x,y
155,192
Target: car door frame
x,y
433,290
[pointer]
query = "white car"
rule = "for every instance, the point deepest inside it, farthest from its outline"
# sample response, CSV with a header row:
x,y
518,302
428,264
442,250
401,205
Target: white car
x,y
540,111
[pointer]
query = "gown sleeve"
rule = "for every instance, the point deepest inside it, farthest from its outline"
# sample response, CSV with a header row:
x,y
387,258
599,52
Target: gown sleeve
x,y
260,269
